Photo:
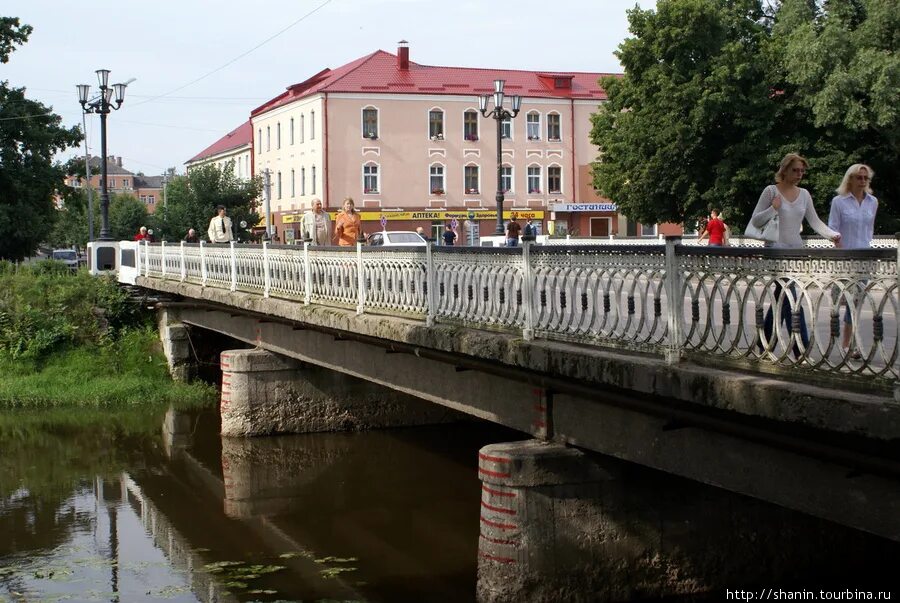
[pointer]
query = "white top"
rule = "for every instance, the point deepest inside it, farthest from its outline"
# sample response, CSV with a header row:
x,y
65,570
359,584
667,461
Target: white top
x,y
219,230
854,220
790,217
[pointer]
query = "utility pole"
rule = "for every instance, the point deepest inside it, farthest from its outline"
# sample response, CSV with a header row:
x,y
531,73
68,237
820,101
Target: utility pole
x,y
267,200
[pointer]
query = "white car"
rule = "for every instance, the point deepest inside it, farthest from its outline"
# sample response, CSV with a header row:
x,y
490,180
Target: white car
x,y
69,257
395,238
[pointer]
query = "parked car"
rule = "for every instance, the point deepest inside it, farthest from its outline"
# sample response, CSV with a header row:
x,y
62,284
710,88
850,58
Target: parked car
x,y
395,238
69,257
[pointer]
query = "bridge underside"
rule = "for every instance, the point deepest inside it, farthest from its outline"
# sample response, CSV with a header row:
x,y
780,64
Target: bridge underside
x,y
828,475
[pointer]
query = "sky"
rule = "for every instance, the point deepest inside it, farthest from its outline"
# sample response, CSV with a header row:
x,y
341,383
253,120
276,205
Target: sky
x,y
201,66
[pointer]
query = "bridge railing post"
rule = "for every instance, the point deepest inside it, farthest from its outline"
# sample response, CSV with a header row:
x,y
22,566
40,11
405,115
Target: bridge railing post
x,y
183,268
146,244
897,320
527,291
266,277
674,302
203,271
162,247
307,274
233,267
138,258
430,284
360,280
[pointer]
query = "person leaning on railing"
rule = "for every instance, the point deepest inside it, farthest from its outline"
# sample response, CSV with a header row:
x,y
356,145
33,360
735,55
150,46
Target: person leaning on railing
x,y
853,215
791,204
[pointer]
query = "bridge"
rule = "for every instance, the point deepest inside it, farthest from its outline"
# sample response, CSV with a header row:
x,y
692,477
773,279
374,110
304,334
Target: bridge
x,y
653,354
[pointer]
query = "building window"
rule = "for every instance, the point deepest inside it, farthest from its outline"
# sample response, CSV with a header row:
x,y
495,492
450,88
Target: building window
x,y
506,179
144,199
648,230
436,124
313,174
302,178
293,184
370,179
278,135
292,131
268,138
553,129
506,128
125,183
312,134
302,127
554,179
471,180
259,148
151,199
534,179
436,179
533,125
470,125
279,185
370,123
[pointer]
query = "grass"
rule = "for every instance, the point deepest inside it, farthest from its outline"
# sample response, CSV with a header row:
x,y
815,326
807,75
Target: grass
x,y
129,370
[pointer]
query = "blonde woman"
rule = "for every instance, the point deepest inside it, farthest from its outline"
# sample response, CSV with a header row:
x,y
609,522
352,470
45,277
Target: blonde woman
x,y
348,225
792,205
853,215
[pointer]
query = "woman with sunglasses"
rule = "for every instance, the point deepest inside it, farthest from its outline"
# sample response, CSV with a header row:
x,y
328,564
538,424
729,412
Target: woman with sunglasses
x,y
792,205
853,215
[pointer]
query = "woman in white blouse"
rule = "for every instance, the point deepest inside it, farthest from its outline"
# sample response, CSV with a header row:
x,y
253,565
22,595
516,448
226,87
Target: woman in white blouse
x,y
792,205
853,215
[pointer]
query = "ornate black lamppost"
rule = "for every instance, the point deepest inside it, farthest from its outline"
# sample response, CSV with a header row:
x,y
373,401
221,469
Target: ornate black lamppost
x,y
102,105
499,113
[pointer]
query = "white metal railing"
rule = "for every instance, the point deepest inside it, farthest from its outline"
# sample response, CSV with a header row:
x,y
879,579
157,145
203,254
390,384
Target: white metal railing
x,y
763,309
813,242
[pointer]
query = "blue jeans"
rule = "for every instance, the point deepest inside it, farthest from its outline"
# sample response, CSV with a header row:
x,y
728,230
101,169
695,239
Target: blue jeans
x,y
787,308
512,242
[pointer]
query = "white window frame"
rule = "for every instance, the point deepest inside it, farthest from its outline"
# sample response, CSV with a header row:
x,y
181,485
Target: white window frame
x,y
559,116
302,128
443,124
377,176
362,122
292,130
259,149
506,129
278,184
652,234
529,179
293,183
313,180
312,127
511,179
477,125
268,138
466,188
533,128
278,135
443,177
151,199
302,181
547,172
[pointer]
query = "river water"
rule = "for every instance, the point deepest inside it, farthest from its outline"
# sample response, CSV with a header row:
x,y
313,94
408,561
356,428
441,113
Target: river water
x,y
155,506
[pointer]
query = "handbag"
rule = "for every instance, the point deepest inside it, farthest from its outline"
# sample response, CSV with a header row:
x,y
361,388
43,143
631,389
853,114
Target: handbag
x,y
768,232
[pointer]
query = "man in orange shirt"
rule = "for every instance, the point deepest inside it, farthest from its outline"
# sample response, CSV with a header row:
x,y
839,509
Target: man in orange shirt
x,y
348,225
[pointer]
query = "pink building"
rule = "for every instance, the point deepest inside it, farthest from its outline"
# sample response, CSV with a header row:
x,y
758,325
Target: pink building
x,y
408,144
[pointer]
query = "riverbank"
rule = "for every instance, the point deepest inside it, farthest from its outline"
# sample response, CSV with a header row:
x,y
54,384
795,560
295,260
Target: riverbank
x,y
70,339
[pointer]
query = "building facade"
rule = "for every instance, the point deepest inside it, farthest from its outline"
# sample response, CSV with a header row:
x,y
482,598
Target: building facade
x,y
232,149
407,142
148,189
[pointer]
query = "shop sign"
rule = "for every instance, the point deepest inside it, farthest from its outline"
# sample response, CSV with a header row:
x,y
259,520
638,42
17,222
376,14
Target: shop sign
x,y
575,207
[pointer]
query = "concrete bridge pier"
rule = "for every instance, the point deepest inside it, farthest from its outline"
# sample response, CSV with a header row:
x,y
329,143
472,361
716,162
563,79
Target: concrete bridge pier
x,y
176,345
558,525
265,393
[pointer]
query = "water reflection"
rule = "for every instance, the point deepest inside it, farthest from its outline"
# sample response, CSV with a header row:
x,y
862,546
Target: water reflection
x,y
120,510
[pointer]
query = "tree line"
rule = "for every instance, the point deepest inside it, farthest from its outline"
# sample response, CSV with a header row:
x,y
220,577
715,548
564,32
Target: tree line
x,y
715,92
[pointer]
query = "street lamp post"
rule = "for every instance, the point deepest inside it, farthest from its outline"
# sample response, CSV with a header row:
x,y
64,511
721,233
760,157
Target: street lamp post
x,y
499,113
102,105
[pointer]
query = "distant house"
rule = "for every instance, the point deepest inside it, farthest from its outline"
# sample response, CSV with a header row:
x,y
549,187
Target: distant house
x,y
148,189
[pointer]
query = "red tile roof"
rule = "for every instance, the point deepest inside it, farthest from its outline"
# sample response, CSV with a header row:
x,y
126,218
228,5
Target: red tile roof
x,y
238,137
379,72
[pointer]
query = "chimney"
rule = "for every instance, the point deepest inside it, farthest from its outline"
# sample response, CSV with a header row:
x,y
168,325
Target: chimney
x,y
119,161
403,55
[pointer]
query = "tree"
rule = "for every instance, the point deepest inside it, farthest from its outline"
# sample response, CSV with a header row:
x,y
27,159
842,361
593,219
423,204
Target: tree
x,y
30,134
192,200
715,92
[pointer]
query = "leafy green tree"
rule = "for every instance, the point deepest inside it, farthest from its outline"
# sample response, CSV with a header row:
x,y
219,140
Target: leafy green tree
x,y
715,92
30,134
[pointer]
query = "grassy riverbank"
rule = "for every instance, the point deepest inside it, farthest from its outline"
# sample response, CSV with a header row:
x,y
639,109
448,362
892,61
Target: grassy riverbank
x,y
75,340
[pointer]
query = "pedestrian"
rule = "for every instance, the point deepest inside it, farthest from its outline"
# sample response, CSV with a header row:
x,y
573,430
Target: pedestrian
x,y
315,226
142,235
348,225
853,215
191,236
791,205
449,235
421,232
530,229
219,230
512,233
716,229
